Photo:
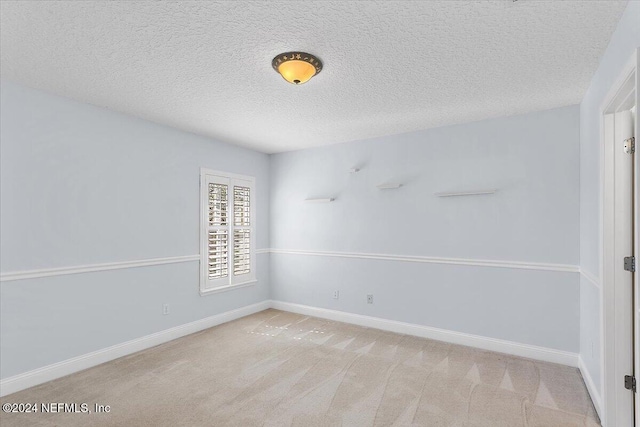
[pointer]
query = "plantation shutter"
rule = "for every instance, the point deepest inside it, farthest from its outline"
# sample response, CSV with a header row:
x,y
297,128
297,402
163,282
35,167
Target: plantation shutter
x,y
228,218
217,232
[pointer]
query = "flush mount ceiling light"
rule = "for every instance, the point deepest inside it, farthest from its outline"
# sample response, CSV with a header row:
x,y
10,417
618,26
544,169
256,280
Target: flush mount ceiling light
x,y
297,67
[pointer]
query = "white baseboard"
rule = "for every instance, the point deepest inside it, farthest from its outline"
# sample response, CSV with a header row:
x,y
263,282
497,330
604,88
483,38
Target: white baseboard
x,y
70,366
76,364
485,343
591,387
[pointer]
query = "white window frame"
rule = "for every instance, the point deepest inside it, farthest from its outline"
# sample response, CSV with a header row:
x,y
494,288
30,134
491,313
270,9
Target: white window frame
x,y
231,281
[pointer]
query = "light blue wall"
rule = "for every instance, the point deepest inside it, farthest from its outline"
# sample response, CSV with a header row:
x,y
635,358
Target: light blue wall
x,y
624,41
530,307
84,185
533,162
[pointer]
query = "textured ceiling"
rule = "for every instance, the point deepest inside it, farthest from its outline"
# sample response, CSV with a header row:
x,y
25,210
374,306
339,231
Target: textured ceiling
x,y
389,67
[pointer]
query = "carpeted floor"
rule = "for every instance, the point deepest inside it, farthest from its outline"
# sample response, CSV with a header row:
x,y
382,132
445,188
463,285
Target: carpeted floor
x,y
281,369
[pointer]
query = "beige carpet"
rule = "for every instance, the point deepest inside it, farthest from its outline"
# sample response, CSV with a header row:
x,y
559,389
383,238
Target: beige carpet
x,y
281,369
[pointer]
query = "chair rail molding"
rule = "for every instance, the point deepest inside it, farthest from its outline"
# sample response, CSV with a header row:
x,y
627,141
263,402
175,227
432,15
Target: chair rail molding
x,y
90,268
436,260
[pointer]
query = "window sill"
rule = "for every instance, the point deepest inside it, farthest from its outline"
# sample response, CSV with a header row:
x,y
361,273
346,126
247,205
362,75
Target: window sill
x,y
227,287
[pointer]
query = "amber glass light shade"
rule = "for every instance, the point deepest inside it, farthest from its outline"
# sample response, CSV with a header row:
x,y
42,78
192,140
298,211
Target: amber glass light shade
x,y
296,67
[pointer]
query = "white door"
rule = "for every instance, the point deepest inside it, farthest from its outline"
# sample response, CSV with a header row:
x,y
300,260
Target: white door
x,y
623,219
631,128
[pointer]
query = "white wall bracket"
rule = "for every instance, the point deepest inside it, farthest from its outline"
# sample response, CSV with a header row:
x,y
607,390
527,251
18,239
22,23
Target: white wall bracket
x,y
324,200
465,193
389,186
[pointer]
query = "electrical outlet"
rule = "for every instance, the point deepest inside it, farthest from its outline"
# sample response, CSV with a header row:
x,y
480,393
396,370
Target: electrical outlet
x,y
336,294
165,308
370,299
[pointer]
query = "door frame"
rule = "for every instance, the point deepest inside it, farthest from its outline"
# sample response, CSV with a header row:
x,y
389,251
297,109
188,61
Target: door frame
x,y
611,332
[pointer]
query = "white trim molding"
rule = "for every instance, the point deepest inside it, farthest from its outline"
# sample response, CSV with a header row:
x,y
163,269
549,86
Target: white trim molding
x,y
614,320
591,278
85,361
228,288
90,268
591,387
436,260
477,341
